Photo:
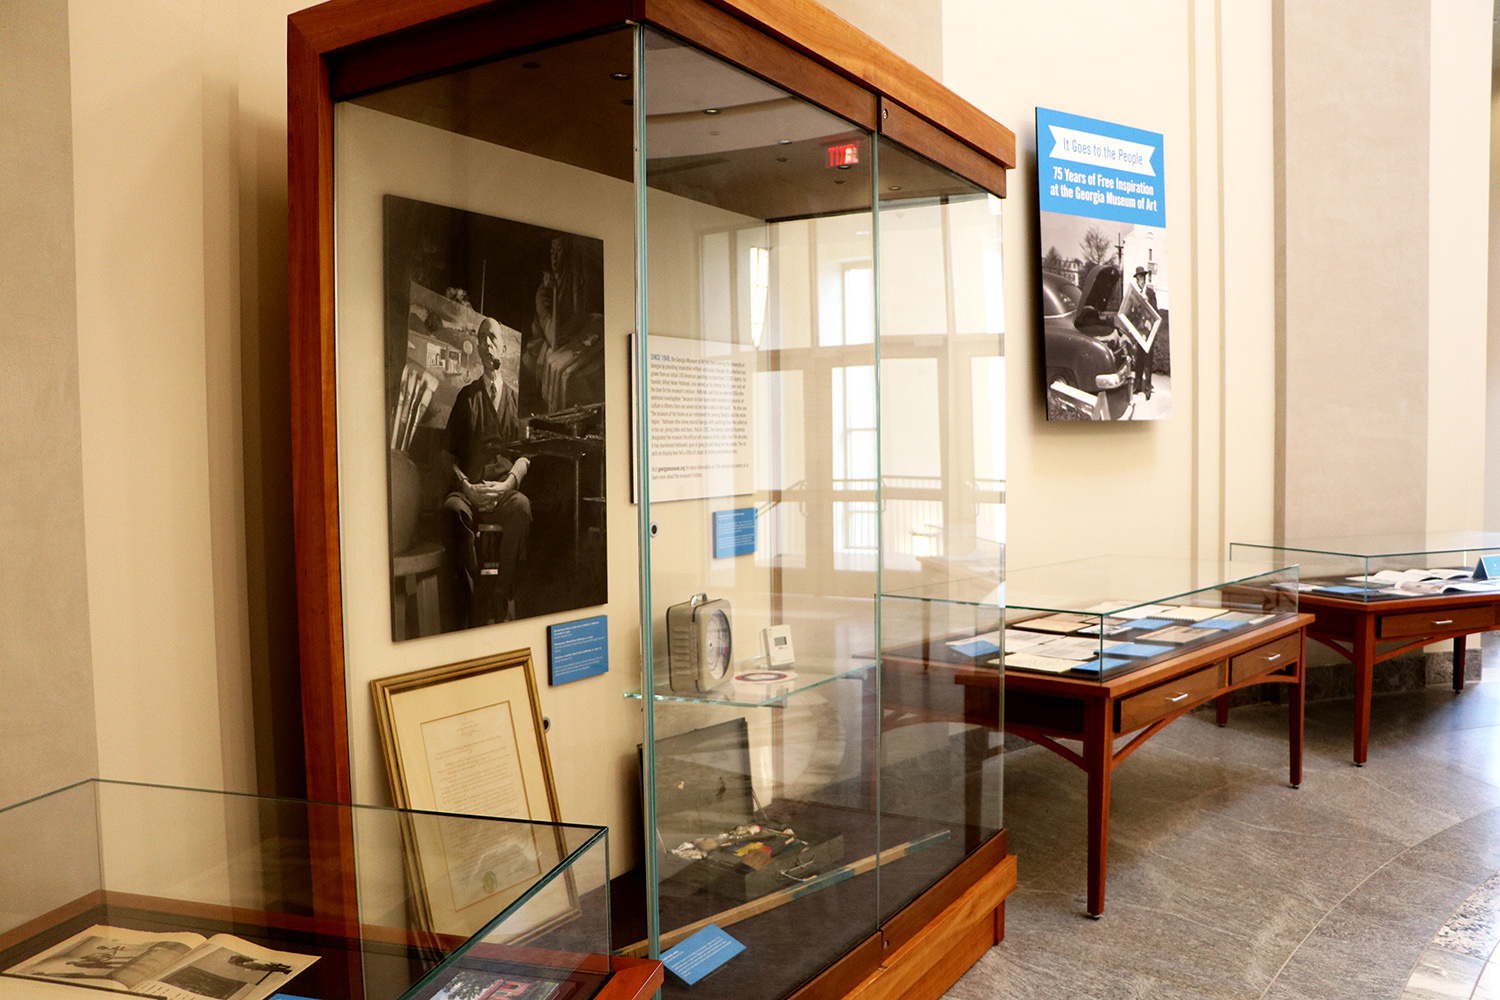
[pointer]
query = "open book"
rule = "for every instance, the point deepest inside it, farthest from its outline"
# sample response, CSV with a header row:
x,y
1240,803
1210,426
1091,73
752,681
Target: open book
x,y
180,966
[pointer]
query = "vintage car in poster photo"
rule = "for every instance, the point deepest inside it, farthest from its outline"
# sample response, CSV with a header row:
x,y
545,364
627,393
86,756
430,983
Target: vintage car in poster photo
x,y
1088,366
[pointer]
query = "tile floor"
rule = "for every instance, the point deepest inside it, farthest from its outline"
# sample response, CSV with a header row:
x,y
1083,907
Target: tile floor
x,y
1226,883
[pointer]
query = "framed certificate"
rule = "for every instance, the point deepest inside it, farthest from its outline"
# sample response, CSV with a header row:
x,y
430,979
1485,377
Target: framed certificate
x,y
467,738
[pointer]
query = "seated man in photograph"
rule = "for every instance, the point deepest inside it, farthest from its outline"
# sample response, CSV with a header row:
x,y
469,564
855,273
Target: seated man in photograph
x,y
484,430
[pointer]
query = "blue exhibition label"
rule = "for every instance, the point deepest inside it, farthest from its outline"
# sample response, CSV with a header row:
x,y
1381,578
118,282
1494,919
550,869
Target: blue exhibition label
x,y
576,650
1099,169
1488,568
700,954
734,532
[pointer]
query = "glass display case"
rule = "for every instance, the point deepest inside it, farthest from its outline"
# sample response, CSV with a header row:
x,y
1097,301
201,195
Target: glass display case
x,y
1105,616
187,893
1388,567
675,316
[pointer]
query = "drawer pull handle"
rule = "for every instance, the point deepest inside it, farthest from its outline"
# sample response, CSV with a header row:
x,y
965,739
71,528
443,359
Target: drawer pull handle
x,y
1277,656
1445,621
1179,697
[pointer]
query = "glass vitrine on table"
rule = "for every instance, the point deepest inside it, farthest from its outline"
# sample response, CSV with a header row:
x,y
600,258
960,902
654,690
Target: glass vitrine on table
x,y
110,886
1401,590
1096,650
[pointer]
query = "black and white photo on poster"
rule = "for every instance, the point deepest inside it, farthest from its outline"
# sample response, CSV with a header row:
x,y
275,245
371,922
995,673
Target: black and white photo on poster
x,y
1105,294
494,368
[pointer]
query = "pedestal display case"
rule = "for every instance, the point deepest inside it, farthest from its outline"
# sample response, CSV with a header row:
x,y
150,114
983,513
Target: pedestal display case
x,y
1087,652
179,892
1405,591
681,321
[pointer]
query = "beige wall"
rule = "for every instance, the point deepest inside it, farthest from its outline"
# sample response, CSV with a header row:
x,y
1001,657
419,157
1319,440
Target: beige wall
x,y
178,131
1457,267
1163,487
1357,108
46,684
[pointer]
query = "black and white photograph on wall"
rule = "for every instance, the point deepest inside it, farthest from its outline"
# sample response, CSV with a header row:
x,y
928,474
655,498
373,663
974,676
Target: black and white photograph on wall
x,y
1105,295
494,370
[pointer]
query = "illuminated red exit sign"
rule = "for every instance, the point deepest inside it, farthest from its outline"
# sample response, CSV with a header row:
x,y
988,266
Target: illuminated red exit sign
x,y
844,155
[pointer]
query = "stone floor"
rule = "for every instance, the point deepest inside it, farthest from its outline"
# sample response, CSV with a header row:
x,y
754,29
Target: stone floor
x,y
1226,883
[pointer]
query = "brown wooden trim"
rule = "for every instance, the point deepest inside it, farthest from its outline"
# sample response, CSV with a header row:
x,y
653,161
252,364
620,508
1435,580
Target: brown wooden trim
x,y
844,976
729,38
488,32
315,500
632,979
811,28
338,24
935,958
909,921
916,134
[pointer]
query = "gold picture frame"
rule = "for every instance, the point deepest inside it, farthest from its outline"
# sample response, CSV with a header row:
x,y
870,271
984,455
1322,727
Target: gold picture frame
x,y
456,741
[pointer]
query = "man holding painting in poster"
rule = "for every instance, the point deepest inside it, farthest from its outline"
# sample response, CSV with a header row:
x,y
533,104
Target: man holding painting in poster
x,y
1101,196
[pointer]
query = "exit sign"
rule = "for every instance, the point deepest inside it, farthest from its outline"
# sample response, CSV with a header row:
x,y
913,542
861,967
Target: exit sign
x,y
844,155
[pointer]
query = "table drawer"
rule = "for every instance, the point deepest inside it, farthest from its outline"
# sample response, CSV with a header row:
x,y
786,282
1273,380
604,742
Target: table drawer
x,y
1437,620
1147,706
1263,659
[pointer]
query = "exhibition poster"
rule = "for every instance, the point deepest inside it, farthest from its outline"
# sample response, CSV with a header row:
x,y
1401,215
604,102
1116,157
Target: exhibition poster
x,y
1105,295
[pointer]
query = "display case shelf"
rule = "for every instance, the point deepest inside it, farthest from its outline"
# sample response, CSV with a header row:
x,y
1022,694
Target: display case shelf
x,y
805,676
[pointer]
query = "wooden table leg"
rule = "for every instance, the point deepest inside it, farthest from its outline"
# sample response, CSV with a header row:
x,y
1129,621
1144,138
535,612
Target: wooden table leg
x,y
1295,717
1364,675
1221,710
1459,642
1098,759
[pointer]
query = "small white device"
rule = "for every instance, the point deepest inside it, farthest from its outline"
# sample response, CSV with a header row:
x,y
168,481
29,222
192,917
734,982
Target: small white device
x,y
776,643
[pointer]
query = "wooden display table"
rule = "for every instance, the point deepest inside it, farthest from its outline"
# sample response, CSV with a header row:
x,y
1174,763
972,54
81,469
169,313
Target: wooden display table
x,y
1046,708
1353,629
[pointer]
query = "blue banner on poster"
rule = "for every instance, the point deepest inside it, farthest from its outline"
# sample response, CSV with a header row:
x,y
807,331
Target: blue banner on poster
x,y
1099,169
576,650
734,532
700,954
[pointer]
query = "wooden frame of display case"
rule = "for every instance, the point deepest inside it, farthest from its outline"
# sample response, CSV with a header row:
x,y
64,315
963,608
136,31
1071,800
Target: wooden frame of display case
x,y
344,48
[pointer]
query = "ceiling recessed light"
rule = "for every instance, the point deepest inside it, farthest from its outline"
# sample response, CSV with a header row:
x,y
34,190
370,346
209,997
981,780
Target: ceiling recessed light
x,y
710,111
783,142
619,76
894,187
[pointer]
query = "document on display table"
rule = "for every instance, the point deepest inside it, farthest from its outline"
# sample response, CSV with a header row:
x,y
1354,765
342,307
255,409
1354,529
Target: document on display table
x,y
1396,578
1047,664
1134,610
1054,623
181,966
1190,613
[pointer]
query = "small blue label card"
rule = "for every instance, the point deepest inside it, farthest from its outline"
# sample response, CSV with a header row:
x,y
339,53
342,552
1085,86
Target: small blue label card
x,y
1488,568
734,532
287,996
700,954
576,650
